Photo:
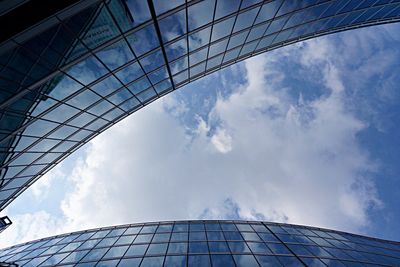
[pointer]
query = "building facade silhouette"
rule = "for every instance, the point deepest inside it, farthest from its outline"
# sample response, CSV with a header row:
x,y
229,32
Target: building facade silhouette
x,y
205,243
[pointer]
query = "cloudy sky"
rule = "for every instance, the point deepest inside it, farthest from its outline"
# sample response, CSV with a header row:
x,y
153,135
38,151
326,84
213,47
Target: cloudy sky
x,y
305,134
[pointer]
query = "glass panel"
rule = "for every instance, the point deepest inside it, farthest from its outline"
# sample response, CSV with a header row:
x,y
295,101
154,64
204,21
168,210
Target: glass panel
x,y
139,11
130,105
106,86
226,8
162,6
218,247
177,248
268,11
198,56
95,254
152,61
199,261
200,14
238,247
130,262
196,70
87,70
161,237
84,99
139,85
158,75
231,55
198,247
173,26
115,55
276,25
176,49
143,238
163,86
245,19
179,65
136,250
215,236
245,260
60,87
157,249
149,34
197,236
218,48
176,261
268,261
116,252
259,248
237,40
199,39
179,237
146,95
222,29
222,260
99,31
130,73
153,261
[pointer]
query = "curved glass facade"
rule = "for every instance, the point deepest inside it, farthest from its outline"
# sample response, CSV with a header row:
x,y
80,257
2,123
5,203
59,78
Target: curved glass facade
x,y
205,243
83,69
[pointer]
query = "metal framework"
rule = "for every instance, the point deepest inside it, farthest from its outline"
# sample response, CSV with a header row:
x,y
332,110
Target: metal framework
x,y
76,73
205,243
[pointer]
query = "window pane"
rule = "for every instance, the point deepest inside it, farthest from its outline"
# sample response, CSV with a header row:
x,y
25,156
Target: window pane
x,y
115,55
200,14
173,26
149,34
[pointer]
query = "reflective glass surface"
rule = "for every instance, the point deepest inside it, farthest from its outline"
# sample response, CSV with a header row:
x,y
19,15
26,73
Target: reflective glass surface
x,y
64,81
151,244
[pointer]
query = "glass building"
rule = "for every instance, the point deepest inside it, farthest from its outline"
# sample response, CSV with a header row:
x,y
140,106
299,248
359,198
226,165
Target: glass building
x,y
74,68
205,243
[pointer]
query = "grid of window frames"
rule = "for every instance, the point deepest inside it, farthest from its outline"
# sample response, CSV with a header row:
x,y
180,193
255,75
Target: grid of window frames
x,y
205,243
84,69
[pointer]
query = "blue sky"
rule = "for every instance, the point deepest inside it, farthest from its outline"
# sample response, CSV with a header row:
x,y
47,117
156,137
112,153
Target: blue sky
x,y
305,134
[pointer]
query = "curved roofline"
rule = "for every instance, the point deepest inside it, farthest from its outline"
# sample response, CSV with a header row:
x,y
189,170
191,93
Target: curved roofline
x,y
204,221
61,17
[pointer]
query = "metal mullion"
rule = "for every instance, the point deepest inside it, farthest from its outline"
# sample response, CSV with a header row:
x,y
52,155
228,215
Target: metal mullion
x,y
19,73
209,40
56,128
130,48
347,14
233,27
252,26
226,241
187,41
18,154
72,63
332,30
156,26
270,21
26,75
291,251
90,51
281,30
35,118
177,9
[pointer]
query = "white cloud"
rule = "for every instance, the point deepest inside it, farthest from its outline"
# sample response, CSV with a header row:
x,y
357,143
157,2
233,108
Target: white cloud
x,y
40,188
222,141
31,226
279,159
